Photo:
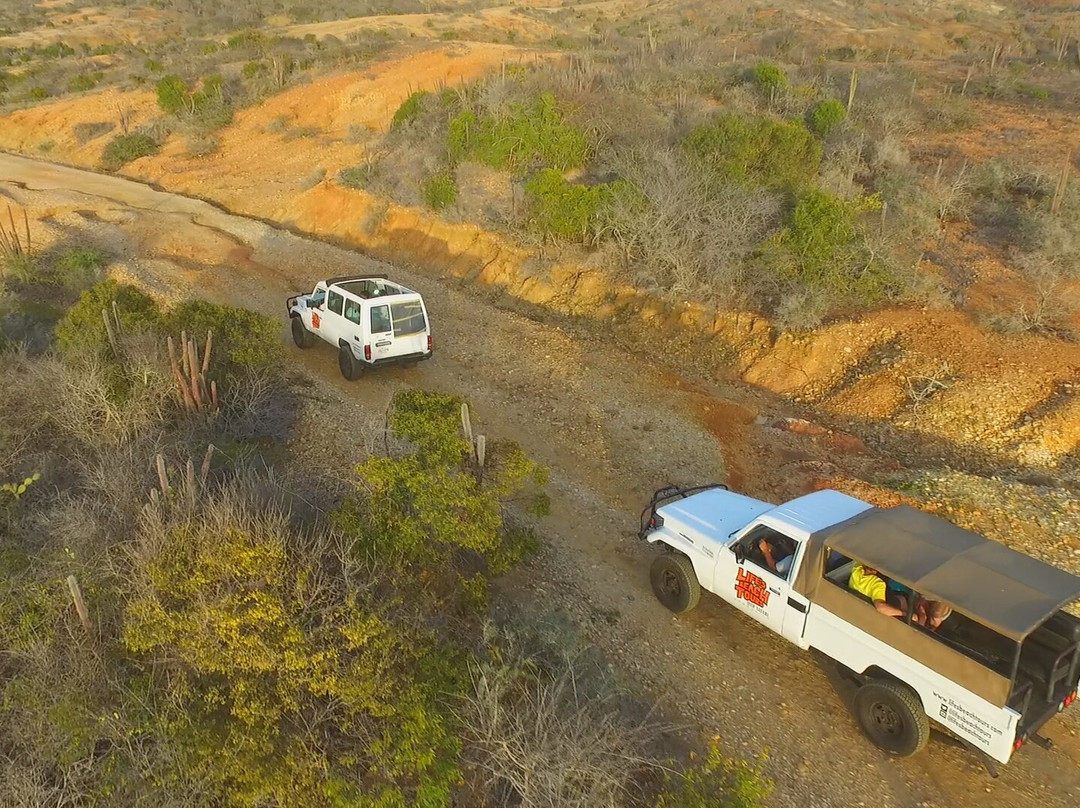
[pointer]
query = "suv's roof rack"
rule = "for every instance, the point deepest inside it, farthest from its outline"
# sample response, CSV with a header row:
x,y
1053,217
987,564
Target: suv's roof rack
x,y
348,278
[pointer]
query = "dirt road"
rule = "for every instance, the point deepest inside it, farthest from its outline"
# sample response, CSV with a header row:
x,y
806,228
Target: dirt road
x,y
612,425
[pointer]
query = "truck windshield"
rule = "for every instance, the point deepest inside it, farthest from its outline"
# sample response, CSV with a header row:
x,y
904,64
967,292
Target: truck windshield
x,y
408,318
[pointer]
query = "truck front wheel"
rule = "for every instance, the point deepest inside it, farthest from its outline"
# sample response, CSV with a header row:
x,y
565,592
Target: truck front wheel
x,y
675,583
892,716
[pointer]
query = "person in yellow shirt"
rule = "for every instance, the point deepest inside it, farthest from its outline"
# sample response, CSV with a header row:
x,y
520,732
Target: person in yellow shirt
x,y
869,582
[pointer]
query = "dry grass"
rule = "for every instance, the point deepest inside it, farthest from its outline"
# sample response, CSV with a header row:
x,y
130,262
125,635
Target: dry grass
x,y
539,738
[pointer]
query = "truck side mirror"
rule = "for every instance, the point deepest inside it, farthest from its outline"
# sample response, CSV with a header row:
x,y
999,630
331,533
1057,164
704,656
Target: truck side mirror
x,y
740,553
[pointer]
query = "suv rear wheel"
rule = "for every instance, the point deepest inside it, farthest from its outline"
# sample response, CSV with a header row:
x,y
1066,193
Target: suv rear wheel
x,y
892,716
347,363
675,583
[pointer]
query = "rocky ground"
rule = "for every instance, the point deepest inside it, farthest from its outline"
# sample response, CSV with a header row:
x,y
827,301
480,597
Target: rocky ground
x,y
612,424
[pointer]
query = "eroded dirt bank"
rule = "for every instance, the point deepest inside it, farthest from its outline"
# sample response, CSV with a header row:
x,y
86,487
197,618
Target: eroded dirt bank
x,y
1003,402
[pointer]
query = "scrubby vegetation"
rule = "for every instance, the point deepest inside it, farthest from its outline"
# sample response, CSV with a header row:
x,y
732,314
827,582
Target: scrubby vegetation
x,y
124,148
189,618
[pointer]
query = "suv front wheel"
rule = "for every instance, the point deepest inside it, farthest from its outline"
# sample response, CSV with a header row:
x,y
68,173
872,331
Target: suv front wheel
x,y
301,336
348,365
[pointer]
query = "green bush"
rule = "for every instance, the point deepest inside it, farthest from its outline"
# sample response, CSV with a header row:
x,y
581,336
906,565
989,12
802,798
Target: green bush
x,y
528,133
356,177
122,149
38,94
770,77
57,50
824,250
154,66
171,94
424,509
243,338
23,266
717,782
432,423
410,109
84,82
282,681
440,190
826,116
559,208
252,69
80,266
244,39
757,150
82,328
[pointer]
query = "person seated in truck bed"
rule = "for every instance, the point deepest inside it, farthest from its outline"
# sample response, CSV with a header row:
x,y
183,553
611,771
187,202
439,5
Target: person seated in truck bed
x,y
870,583
892,600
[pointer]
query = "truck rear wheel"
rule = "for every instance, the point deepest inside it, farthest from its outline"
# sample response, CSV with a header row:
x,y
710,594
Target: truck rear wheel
x,y
347,363
891,715
675,583
300,335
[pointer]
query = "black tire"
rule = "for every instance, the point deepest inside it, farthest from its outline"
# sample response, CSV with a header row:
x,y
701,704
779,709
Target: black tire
x,y
300,335
675,583
891,715
347,364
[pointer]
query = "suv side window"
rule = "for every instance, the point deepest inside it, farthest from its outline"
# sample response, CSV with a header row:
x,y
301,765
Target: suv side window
x,y
380,319
334,301
352,311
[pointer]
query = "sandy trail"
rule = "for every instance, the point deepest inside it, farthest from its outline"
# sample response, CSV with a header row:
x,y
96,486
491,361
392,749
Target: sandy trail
x,y
612,426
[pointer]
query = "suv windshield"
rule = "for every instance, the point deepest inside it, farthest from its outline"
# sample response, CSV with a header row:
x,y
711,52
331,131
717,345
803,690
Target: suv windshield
x,y
408,318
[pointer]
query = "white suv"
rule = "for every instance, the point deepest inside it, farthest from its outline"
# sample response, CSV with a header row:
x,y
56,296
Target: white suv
x,y
370,320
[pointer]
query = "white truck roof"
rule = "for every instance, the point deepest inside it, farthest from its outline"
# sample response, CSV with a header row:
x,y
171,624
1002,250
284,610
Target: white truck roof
x,y
717,513
818,510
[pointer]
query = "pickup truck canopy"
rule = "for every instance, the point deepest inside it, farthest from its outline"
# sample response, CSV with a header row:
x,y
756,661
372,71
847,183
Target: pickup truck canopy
x,y
1002,589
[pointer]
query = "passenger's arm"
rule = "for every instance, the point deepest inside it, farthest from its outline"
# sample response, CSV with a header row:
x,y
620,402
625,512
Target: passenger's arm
x,y
887,609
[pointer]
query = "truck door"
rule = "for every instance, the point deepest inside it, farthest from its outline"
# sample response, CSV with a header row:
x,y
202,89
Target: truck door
x,y
756,588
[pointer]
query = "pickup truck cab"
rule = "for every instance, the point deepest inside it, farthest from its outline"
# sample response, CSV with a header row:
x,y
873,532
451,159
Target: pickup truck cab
x,y
1001,663
369,319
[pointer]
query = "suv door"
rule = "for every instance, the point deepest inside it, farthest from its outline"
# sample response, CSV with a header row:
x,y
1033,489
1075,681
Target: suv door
x,y
332,322
382,332
410,326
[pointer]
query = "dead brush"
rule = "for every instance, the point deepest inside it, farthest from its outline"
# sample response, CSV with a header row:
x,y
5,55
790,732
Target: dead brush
x,y
921,387
102,403
538,740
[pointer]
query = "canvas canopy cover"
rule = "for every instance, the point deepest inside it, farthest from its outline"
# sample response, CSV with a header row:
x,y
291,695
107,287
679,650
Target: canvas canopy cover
x,y
1002,589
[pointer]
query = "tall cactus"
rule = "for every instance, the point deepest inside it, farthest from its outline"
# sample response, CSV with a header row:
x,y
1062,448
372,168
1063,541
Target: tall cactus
x,y
190,374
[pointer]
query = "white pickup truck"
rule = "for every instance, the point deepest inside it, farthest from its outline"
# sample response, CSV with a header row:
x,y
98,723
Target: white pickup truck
x,y
996,661
369,319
